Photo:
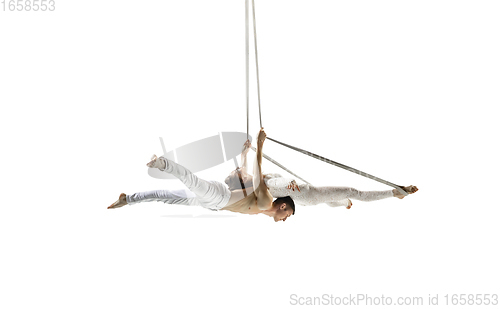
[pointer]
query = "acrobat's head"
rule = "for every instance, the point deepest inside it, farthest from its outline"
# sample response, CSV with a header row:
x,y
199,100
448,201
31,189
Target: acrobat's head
x,y
285,207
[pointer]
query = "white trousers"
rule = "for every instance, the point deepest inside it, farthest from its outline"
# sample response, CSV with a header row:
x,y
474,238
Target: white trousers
x,y
213,195
180,197
332,196
335,196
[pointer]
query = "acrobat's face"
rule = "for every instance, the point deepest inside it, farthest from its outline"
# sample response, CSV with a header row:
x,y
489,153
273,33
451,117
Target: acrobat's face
x,y
283,212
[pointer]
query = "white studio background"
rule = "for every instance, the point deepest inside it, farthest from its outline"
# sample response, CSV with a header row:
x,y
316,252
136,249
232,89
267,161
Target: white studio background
x,y
404,90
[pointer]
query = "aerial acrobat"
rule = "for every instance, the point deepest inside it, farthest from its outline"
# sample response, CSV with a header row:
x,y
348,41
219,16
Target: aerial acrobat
x,y
307,194
240,195
253,194
215,195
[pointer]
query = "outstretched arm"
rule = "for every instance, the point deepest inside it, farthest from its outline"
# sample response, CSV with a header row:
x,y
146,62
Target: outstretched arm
x,y
239,178
264,198
258,178
246,148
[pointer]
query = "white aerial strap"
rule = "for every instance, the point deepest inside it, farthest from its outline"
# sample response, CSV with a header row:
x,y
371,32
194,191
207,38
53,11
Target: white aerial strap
x,y
399,188
256,59
247,56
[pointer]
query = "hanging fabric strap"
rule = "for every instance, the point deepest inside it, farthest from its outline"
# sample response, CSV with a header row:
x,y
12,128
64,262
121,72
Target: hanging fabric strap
x,y
342,166
279,165
260,116
256,60
258,79
247,57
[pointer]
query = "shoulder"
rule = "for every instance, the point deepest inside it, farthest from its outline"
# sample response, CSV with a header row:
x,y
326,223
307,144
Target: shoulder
x,y
264,197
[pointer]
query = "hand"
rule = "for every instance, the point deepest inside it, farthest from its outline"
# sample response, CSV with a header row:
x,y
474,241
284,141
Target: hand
x,y
262,135
293,185
246,147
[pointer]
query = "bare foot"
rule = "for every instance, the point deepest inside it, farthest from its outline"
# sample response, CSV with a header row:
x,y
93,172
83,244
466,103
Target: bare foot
x,y
350,204
122,201
409,190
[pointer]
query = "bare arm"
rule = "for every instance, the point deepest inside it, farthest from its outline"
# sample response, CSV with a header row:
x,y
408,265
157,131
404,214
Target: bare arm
x,y
264,198
244,153
258,178
239,178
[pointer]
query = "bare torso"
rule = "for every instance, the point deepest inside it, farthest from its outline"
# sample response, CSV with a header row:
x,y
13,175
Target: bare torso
x,y
249,204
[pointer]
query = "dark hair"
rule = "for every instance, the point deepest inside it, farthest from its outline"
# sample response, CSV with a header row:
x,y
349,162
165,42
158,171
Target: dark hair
x,y
287,200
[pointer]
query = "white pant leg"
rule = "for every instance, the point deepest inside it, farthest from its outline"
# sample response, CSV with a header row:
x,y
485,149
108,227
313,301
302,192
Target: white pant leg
x,y
365,196
210,194
344,202
311,195
179,197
